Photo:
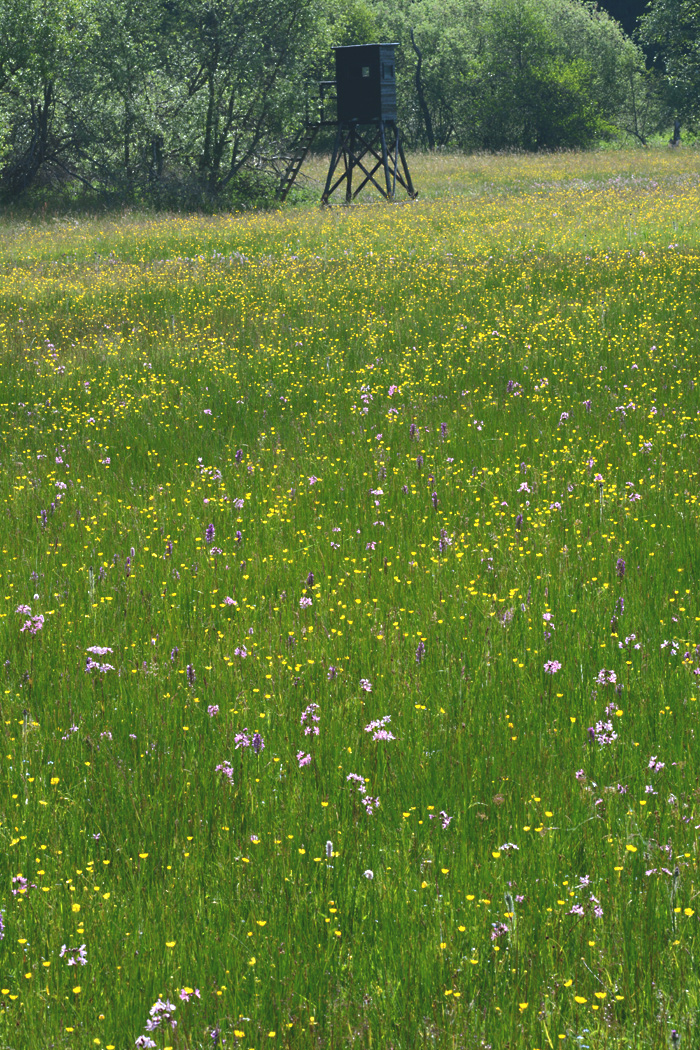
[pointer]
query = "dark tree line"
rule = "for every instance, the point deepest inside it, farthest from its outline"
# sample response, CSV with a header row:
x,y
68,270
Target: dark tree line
x,y
185,100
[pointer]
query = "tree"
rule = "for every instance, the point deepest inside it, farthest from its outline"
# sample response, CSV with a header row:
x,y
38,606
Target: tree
x,y
673,27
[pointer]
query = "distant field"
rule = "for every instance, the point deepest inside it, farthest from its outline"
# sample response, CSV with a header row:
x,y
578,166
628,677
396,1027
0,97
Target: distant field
x,y
349,618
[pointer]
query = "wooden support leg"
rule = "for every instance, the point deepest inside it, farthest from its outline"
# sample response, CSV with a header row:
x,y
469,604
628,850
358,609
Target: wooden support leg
x,y
334,163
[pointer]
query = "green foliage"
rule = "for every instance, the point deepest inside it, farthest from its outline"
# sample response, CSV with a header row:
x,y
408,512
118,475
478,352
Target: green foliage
x,y
672,29
163,100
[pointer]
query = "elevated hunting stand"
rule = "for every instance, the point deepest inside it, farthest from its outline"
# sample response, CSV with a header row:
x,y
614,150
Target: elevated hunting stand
x,y
367,137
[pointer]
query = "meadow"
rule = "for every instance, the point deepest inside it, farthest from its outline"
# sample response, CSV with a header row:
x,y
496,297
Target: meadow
x,y
349,617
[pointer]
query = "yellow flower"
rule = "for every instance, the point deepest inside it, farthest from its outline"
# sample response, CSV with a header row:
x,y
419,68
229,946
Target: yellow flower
x,y
75,907
580,999
76,990
170,944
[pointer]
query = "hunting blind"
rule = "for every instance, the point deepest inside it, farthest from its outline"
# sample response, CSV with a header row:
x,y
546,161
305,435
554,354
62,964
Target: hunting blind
x,y
367,135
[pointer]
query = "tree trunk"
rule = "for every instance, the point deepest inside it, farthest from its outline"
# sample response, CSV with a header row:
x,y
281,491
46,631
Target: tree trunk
x,y
427,119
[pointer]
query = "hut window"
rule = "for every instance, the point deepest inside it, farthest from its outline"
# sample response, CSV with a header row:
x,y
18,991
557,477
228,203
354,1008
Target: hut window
x,y
365,71
387,71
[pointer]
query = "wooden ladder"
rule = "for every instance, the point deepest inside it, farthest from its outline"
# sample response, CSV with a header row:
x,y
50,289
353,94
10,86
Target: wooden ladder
x,y
300,148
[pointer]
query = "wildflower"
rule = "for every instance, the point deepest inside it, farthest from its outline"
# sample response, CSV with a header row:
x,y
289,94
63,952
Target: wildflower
x,y
34,625
444,819
329,849
213,710
227,769
303,759
191,676
552,666
368,874
305,602
257,743
209,535
332,673
620,568
187,993
434,498
173,654
313,480
366,685
420,652
242,740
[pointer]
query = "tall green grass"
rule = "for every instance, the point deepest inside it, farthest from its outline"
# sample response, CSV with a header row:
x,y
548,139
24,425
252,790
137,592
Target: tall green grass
x,y
441,446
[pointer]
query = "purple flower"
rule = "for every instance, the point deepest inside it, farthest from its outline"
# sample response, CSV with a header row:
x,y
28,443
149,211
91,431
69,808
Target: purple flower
x,y
209,534
303,759
620,568
33,626
313,480
383,734
552,666
227,769
191,676
434,498
239,455
173,654
2,926
258,744
366,685
332,673
360,781
444,819
242,740
305,602
580,774
443,430
576,909
310,580
212,710
420,651
413,430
